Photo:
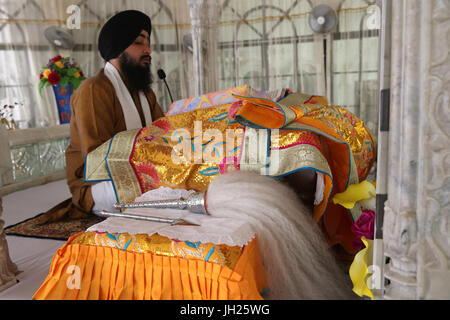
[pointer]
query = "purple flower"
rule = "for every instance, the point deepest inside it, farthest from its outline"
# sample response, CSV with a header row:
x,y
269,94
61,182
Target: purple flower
x,y
364,226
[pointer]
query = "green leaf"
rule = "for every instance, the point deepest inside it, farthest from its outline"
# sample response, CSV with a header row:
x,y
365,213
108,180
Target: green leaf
x,y
42,84
71,72
78,82
75,83
63,83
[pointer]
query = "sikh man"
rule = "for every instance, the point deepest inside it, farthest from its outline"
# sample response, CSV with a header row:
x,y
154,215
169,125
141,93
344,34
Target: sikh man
x,y
117,98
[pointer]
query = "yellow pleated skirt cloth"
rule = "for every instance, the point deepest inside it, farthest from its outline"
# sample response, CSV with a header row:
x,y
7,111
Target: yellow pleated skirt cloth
x,y
81,270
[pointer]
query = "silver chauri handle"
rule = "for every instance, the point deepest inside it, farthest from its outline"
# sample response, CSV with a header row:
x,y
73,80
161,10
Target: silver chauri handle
x,y
195,203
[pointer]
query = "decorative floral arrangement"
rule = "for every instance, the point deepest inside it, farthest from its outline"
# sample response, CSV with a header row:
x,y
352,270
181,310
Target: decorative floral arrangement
x,y
361,195
6,116
363,227
62,71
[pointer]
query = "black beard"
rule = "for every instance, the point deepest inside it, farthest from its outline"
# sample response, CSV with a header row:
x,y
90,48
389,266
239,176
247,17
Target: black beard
x,y
139,77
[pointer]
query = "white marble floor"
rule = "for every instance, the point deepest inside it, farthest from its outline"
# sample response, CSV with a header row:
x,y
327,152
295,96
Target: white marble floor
x,y
32,256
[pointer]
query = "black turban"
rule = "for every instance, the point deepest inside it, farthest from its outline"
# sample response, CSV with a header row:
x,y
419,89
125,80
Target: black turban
x,y
120,31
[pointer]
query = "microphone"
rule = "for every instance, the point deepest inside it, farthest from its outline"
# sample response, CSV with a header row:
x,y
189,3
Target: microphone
x,y
162,76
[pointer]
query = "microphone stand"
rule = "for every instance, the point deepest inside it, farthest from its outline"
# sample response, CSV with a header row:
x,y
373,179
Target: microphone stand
x,y
162,76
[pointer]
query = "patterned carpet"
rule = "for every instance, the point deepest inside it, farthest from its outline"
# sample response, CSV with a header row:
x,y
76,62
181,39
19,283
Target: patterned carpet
x,y
60,230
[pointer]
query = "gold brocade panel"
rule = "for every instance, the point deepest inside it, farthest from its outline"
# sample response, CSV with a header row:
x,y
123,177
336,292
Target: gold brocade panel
x,y
188,150
223,255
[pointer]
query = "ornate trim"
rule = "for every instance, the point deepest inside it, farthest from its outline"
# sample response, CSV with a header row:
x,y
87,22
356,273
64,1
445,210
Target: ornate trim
x,y
416,217
8,269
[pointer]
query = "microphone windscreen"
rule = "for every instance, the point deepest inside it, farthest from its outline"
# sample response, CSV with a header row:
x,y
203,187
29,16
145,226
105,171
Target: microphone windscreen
x,y
161,74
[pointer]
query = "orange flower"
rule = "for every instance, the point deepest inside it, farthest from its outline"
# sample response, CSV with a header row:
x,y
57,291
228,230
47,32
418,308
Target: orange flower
x,y
46,73
59,64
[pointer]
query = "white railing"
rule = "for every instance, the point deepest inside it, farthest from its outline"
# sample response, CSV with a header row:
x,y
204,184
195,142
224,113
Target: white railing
x,y
31,157
28,158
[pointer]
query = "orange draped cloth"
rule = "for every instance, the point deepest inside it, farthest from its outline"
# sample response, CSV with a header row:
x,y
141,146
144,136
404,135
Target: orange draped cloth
x,y
303,132
91,272
350,151
307,125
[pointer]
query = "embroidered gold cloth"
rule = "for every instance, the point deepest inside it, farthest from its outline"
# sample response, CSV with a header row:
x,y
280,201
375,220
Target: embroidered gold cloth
x,y
188,150
142,243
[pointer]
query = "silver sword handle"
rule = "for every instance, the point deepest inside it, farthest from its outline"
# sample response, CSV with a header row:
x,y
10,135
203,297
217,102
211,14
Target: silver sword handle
x,y
195,203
